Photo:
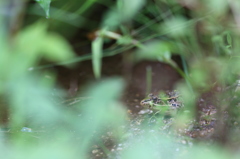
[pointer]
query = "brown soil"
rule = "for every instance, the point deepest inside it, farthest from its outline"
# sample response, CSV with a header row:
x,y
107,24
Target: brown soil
x,y
163,77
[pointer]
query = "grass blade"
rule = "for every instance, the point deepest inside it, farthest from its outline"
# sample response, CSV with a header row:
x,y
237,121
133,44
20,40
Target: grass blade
x,y
97,56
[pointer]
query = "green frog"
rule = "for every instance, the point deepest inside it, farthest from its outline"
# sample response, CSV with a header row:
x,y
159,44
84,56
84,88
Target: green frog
x,y
168,105
170,100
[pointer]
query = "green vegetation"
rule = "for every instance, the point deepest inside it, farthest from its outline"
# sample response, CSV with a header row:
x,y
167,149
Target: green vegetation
x,y
35,35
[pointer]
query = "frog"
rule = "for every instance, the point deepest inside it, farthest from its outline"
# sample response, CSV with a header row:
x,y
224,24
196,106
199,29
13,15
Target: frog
x,y
170,99
172,102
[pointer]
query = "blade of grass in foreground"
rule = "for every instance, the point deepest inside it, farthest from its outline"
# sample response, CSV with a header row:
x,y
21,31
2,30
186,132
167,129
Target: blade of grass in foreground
x,y
149,79
101,114
86,5
97,56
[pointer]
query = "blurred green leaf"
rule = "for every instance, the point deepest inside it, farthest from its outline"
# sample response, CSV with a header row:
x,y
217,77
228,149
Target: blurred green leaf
x,y
217,7
150,145
31,102
229,38
156,50
231,71
86,5
199,78
97,45
124,11
214,152
189,100
5,58
45,4
176,26
125,40
56,48
111,19
128,9
206,72
223,43
103,111
35,42
30,95
29,41
38,151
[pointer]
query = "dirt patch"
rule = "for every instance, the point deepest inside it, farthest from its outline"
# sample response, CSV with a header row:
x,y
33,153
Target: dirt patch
x,y
163,78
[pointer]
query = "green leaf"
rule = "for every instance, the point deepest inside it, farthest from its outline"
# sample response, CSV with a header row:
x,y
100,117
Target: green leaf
x,y
35,42
125,40
97,56
45,4
29,42
177,26
229,39
23,107
128,9
156,50
86,5
124,11
112,19
103,109
217,7
56,48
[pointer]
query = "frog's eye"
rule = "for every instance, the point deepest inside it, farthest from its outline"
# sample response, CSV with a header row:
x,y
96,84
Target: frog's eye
x,y
174,104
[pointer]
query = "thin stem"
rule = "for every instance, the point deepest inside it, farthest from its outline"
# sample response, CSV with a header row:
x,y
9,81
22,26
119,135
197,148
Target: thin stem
x,y
149,79
185,76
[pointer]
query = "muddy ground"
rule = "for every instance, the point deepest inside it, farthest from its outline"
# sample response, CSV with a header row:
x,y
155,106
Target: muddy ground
x,y
163,78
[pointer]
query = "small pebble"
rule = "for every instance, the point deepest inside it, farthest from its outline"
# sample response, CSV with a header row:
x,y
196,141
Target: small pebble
x,y
119,148
152,131
144,111
136,100
110,133
129,111
184,142
25,129
219,89
95,151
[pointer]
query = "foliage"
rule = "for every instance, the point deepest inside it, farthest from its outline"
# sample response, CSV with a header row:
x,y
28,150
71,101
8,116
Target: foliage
x,y
205,35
